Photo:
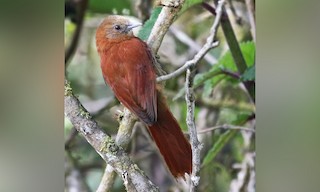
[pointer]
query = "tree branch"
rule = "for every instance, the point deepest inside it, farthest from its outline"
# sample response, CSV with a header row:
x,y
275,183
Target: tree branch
x,y
73,133
164,20
70,138
81,6
74,178
189,63
113,154
107,179
190,100
251,7
195,144
184,38
234,127
233,46
207,46
242,106
127,121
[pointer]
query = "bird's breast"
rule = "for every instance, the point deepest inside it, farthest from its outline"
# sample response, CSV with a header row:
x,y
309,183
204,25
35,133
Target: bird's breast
x,y
112,65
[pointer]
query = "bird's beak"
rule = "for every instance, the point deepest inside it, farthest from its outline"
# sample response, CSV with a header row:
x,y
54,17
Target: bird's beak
x,y
132,25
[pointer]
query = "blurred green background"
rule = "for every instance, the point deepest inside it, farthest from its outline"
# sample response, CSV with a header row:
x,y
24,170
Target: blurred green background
x,y
220,98
32,124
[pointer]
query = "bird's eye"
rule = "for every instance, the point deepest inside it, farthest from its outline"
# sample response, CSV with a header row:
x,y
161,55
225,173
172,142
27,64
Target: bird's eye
x,y
117,27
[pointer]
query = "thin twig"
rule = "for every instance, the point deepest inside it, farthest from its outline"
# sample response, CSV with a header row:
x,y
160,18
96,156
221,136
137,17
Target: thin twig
x,y
195,144
207,46
189,63
74,132
226,127
233,10
81,9
184,38
110,104
107,179
230,38
105,146
233,46
245,179
231,73
251,8
70,138
190,100
216,104
142,9
74,177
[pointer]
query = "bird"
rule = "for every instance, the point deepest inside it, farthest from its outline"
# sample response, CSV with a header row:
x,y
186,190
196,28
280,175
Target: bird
x,y
127,65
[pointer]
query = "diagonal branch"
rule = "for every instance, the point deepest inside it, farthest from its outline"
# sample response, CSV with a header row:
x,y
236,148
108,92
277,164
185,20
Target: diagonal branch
x,y
234,127
233,46
127,121
189,63
184,38
203,51
134,179
166,17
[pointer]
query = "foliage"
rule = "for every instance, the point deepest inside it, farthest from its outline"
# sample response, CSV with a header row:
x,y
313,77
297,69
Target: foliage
x,y
102,6
249,74
214,86
147,27
226,63
188,4
223,139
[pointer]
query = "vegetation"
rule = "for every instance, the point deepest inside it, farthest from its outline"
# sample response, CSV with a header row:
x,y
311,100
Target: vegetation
x,y
224,87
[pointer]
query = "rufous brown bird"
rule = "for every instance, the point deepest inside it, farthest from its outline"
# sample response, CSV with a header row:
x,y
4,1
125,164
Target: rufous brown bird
x,y
127,65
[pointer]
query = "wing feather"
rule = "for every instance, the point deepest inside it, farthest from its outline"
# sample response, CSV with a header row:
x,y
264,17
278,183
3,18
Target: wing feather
x,y
131,75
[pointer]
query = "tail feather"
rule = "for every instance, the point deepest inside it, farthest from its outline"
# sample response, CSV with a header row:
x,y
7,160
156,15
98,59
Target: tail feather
x,y
172,144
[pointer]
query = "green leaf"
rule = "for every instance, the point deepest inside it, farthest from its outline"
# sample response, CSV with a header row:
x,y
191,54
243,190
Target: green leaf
x,y
239,119
210,84
242,117
199,79
222,141
249,74
147,27
103,6
226,62
189,3
248,51
212,78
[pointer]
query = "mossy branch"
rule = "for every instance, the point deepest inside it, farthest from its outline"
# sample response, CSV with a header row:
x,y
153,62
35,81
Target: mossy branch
x,y
114,155
126,121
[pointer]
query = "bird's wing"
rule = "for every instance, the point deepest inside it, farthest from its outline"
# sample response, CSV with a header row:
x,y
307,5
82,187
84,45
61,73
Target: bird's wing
x,y
136,86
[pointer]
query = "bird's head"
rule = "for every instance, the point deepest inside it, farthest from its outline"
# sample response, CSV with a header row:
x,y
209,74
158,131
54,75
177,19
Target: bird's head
x,y
116,27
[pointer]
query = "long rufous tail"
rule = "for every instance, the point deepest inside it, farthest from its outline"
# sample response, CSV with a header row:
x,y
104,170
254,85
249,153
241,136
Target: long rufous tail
x,y
173,145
